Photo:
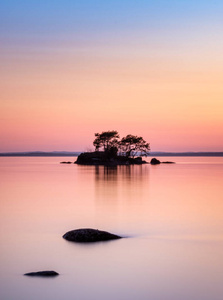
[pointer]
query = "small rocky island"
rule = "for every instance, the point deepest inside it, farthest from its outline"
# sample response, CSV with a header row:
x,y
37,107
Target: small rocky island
x,y
88,235
104,159
111,151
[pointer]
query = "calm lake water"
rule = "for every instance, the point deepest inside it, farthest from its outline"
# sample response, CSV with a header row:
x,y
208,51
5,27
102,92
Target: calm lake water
x,y
171,216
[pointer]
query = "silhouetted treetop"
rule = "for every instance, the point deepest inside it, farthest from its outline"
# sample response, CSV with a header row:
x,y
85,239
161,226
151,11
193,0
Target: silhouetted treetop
x,y
132,145
106,140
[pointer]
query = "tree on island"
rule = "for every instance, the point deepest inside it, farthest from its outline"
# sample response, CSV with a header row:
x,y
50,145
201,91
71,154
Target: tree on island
x,y
107,146
131,145
107,140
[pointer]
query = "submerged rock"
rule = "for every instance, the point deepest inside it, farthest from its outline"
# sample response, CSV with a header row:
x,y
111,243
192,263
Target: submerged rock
x,y
154,161
43,274
168,162
66,162
88,235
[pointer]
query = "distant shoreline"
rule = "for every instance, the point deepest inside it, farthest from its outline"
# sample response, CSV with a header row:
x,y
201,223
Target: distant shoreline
x,y
60,154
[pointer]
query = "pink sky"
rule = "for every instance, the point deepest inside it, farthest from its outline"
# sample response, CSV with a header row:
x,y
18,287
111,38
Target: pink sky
x,y
165,86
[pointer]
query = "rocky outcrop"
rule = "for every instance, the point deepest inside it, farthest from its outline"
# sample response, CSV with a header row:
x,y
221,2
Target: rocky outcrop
x,y
154,161
88,235
43,274
102,158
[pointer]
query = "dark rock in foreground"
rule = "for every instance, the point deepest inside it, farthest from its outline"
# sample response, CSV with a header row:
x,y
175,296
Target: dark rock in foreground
x,y
88,235
154,161
43,274
104,159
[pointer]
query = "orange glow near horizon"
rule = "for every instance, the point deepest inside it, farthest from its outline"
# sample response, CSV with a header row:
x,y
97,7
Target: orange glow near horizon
x,y
62,110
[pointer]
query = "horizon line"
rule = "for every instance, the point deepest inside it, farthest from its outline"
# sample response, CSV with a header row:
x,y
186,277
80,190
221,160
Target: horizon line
x,y
75,153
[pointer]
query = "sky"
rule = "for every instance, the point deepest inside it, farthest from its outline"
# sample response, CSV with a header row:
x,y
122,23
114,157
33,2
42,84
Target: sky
x,y
72,68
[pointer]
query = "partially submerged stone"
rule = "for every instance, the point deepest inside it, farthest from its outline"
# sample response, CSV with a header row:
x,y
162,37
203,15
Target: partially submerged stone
x,y
88,235
154,161
43,274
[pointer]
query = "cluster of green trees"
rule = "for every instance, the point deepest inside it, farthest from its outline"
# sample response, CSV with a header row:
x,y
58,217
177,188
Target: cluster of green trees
x,y
129,146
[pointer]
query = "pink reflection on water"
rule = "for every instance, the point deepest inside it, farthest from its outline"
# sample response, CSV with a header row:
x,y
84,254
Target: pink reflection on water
x,y
171,214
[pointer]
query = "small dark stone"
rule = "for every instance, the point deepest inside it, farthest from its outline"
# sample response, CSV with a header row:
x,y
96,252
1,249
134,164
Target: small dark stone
x,y
88,235
154,161
66,162
43,274
168,162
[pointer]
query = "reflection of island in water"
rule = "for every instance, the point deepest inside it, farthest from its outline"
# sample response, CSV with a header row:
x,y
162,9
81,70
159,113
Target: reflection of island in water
x,y
116,173
121,192
106,173
112,182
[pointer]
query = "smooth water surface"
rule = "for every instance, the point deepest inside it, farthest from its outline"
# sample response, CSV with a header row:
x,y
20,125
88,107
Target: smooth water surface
x,y
171,216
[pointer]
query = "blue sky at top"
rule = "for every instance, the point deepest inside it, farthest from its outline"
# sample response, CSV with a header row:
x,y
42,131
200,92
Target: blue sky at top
x,y
57,19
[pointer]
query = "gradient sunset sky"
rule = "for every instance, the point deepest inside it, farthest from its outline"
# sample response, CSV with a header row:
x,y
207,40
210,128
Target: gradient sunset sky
x,y
75,67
